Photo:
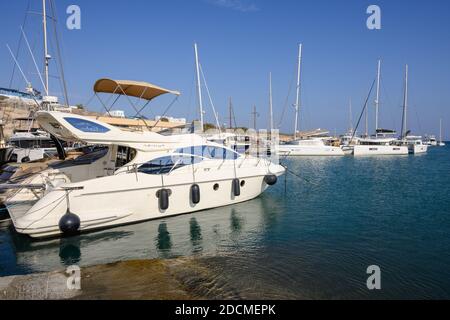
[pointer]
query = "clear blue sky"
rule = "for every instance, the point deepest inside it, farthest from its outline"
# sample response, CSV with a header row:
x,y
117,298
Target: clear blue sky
x,y
240,42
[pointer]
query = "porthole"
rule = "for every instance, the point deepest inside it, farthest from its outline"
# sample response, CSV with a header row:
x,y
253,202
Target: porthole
x,y
216,187
242,183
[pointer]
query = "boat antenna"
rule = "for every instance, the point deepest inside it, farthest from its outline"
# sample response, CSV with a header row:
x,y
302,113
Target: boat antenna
x,y
297,100
363,110
199,88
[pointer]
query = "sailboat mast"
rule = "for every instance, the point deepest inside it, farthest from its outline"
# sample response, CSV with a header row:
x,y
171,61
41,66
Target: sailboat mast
x,y
405,103
350,116
440,130
254,114
270,102
377,101
46,55
199,88
230,107
367,123
297,100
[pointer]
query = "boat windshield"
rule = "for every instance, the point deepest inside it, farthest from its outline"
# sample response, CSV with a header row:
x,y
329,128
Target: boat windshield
x,y
210,152
167,164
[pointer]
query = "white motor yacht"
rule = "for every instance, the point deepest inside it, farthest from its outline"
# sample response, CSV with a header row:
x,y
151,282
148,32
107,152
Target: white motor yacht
x,y
160,176
164,176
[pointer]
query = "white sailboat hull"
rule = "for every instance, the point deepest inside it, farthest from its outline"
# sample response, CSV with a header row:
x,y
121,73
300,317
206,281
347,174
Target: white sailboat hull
x,y
418,149
295,150
365,150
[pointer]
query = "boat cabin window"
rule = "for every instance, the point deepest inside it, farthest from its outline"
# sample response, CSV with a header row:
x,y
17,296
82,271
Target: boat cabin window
x,y
86,125
210,152
92,154
168,163
124,156
32,143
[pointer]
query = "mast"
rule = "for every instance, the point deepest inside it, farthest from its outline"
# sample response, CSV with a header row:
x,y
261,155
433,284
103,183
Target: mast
x,y
297,100
270,102
199,88
230,107
255,115
377,100
367,123
440,130
46,55
350,116
405,104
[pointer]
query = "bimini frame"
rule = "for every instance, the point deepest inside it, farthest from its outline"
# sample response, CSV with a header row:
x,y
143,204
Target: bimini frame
x,y
129,88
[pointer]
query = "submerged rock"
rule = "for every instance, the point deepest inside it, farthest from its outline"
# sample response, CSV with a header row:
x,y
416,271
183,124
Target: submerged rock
x,y
166,279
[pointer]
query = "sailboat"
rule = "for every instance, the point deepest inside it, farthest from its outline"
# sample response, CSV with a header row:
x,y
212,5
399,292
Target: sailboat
x,y
310,146
33,144
441,143
414,143
383,142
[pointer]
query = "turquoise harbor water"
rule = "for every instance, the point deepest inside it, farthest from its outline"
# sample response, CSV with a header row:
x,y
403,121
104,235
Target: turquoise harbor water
x,y
314,241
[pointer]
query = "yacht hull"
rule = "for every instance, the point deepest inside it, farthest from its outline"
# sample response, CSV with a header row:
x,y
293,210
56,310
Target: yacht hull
x,y
365,150
294,150
418,149
133,197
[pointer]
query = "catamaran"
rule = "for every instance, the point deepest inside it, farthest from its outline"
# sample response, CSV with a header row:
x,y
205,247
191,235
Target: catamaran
x,y
131,176
383,142
309,146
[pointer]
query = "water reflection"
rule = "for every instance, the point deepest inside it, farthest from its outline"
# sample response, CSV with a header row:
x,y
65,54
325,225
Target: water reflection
x,y
215,231
196,235
163,240
69,251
